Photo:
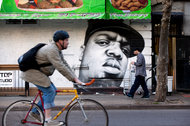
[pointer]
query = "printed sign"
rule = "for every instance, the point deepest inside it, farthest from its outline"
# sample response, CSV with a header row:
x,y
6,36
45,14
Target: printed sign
x,y
0,3
52,9
128,9
75,9
6,78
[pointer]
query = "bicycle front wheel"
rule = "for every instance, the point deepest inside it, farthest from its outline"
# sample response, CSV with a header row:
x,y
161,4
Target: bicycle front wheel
x,y
87,112
19,114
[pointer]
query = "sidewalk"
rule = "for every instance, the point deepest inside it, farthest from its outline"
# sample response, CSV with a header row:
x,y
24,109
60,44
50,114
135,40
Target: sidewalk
x,y
116,101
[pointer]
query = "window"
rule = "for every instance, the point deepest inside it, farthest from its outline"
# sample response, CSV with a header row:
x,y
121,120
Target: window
x,y
19,21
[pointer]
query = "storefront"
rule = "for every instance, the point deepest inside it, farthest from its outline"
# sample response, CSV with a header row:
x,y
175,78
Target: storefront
x,y
22,27
178,43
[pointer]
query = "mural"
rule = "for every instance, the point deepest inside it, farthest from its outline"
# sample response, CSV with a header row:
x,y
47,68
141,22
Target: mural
x,y
106,50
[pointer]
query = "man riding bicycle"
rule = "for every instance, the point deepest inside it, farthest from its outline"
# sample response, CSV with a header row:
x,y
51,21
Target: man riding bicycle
x,y
50,54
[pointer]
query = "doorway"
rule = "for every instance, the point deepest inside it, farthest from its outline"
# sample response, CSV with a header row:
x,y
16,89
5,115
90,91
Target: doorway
x,y
183,63
175,33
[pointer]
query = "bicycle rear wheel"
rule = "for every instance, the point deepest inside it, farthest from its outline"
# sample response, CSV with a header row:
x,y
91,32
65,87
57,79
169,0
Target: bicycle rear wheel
x,y
16,114
152,81
86,112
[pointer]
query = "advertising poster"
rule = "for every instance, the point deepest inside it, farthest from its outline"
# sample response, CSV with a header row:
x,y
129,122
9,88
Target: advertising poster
x,y
75,9
52,9
0,3
128,9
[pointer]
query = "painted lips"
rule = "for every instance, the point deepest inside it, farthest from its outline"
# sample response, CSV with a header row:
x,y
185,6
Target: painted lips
x,y
112,66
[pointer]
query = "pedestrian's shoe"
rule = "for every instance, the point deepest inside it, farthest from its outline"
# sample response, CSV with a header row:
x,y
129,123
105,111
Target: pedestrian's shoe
x,y
35,116
154,93
53,123
125,93
145,96
129,95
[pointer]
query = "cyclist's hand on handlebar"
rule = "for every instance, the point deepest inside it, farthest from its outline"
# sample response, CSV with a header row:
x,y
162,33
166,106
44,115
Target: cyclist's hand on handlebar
x,y
76,80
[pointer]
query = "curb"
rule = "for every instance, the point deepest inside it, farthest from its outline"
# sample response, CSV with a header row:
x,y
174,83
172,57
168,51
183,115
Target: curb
x,y
131,107
138,107
144,107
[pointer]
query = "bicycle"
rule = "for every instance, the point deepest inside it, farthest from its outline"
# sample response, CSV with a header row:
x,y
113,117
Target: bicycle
x,y
152,79
82,112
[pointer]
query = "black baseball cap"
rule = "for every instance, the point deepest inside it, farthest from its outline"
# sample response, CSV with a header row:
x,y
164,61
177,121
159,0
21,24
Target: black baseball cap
x,y
60,35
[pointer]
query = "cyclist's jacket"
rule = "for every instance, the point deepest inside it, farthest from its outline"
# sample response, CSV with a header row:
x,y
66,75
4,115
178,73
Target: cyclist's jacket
x,y
48,54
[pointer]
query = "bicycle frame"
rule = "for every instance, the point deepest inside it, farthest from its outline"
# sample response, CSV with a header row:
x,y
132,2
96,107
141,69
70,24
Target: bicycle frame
x,y
72,100
39,94
154,79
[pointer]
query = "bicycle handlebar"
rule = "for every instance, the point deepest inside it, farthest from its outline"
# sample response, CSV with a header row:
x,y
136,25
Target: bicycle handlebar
x,y
85,84
81,86
89,83
152,68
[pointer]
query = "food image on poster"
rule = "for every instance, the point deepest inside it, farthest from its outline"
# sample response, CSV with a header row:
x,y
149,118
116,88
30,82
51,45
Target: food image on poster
x,y
131,5
49,5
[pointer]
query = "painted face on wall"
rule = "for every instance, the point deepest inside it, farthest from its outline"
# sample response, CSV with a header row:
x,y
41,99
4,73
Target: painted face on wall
x,y
105,55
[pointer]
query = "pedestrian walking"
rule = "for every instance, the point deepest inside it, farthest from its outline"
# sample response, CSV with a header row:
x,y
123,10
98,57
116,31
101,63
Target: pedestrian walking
x,y
139,75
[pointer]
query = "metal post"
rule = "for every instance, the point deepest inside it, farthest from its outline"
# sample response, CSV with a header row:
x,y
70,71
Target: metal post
x,y
26,88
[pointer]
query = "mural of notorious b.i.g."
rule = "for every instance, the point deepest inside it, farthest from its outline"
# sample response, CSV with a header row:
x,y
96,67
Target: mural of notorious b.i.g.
x,y
108,45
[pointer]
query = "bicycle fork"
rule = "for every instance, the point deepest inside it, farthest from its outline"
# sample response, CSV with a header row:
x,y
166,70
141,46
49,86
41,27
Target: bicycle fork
x,y
83,112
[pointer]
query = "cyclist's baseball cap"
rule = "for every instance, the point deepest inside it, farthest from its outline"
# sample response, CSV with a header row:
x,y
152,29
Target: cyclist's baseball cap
x,y
60,35
134,39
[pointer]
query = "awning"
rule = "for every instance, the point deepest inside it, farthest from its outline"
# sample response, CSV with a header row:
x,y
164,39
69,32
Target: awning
x,y
75,9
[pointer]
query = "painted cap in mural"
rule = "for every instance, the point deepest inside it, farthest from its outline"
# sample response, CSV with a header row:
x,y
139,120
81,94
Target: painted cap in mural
x,y
134,39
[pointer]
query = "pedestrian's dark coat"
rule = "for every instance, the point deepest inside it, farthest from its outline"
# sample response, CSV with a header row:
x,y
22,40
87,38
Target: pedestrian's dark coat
x,y
140,65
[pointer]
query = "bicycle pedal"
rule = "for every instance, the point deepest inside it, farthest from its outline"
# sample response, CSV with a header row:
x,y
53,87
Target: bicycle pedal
x,y
64,123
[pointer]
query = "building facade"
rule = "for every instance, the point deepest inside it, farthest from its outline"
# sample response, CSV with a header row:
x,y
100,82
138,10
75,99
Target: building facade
x,y
22,36
17,36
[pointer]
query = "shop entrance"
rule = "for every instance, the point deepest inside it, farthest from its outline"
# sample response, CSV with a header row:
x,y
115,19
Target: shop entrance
x,y
175,39
183,63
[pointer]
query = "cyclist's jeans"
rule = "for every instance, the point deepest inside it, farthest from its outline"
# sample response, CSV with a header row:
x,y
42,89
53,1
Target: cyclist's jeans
x,y
49,94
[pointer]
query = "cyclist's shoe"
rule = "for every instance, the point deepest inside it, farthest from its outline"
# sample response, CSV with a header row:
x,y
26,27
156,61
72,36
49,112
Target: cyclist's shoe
x,y
35,116
53,123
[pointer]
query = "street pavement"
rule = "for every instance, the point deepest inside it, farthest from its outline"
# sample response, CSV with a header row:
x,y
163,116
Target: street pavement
x,y
177,100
